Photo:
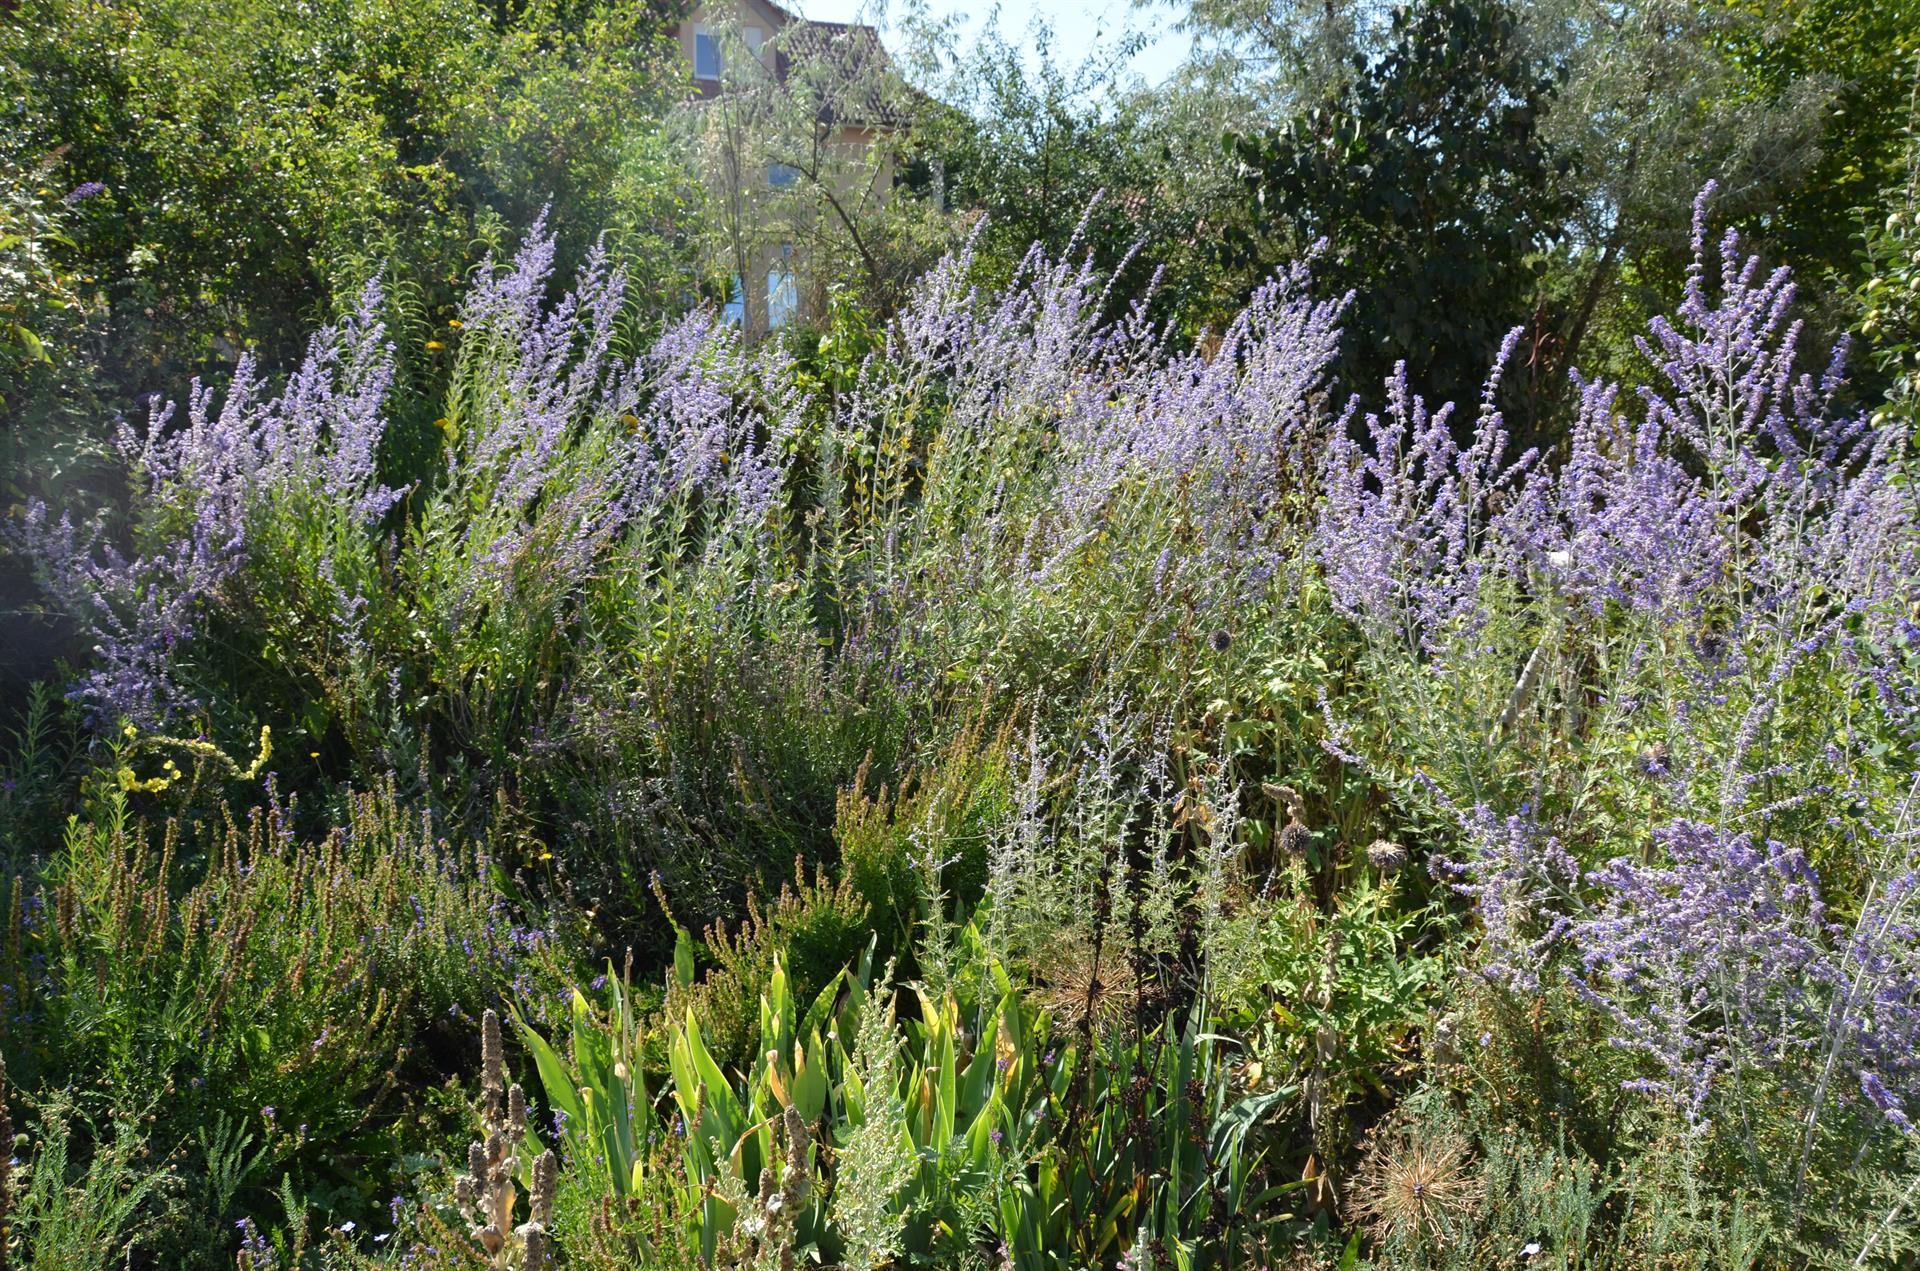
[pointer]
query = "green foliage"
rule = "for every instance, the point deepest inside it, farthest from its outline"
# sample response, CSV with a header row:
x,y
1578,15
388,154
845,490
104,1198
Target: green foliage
x,y
1867,52
921,856
1431,182
261,159
262,996
849,1135
1889,299
815,927
70,1216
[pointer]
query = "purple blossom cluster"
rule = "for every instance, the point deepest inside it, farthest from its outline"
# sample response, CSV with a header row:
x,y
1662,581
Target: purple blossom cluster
x,y
559,452
1738,514
1742,484
1723,961
1410,525
1069,444
1521,881
201,489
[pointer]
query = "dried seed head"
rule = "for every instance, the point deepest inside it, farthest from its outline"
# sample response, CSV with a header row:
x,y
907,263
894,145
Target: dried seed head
x,y
1409,1187
1293,838
1386,856
533,1241
799,1179
516,1111
493,1064
1082,988
1286,797
477,1164
546,1180
798,1139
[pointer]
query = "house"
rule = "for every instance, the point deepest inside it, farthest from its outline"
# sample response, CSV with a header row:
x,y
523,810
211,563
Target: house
x,y
806,151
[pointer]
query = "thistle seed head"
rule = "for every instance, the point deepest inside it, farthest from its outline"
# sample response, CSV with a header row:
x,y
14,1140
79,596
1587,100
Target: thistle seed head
x,y
1386,856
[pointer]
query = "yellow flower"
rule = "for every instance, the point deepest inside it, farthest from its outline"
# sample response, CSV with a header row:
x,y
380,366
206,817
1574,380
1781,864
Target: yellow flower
x,y
455,323
435,344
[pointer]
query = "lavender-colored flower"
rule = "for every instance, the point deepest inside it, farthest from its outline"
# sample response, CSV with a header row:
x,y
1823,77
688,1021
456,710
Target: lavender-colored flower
x,y
82,192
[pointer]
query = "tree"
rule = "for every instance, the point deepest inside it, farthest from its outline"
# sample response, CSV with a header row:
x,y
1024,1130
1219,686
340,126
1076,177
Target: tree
x,y
1083,160
1436,194
1654,104
799,146
257,159
1863,52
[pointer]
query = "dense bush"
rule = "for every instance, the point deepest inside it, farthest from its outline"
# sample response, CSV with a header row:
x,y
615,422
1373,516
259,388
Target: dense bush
x,y
249,1004
1297,832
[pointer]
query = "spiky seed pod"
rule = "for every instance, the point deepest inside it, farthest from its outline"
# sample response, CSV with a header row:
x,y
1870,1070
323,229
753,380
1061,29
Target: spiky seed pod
x,y
493,1063
1410,1188
1386,856
1293,838
546,1181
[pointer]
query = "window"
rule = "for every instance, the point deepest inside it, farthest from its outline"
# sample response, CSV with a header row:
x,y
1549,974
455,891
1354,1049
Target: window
x,y
781,176
783,298
735,310
706,54
754,38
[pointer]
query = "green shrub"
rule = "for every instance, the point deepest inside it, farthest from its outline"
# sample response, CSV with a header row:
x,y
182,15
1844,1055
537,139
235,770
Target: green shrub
x,y
80,1211
268,998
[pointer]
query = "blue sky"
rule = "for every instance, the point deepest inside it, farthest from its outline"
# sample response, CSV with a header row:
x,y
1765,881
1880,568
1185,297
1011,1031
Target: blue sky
x,y
1079,26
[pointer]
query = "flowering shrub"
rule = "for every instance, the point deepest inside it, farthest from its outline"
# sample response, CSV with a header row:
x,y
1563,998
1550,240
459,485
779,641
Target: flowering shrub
x,y
1178,729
